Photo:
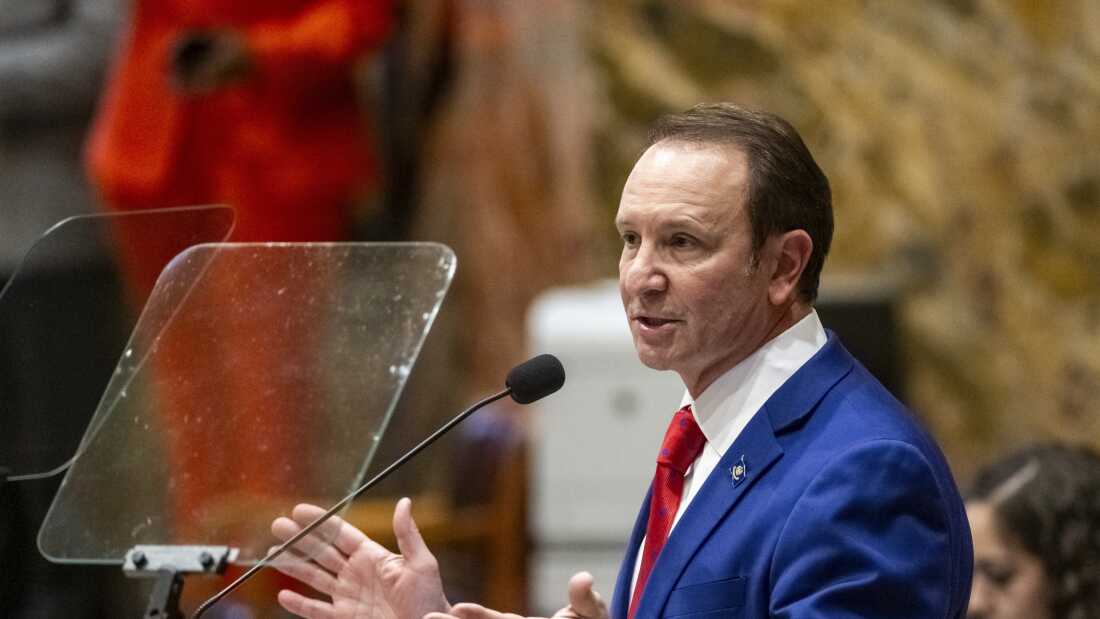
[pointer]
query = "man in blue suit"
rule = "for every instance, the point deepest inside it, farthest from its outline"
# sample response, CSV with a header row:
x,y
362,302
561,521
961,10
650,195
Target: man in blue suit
x,y
791,484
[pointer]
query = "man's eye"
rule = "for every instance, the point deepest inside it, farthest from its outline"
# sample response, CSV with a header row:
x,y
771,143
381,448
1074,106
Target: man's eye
x,y
682,240
629,238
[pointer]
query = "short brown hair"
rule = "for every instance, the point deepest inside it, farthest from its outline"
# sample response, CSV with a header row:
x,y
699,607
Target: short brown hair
x,y
787,190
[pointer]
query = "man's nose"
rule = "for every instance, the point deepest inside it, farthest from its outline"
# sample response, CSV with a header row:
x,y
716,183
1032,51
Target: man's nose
x,y
644,272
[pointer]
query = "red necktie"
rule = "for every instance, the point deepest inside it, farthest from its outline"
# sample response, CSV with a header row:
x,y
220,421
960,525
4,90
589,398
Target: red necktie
x,y
683,442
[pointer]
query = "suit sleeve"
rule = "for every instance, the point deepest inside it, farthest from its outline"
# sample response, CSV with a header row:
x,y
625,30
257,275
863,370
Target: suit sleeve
x,y
869,537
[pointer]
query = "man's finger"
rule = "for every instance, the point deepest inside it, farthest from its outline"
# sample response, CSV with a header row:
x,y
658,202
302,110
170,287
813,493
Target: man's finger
x,y
298,604
348,538
409,542
583,598
336,531
467,610
305,514
284,528
321,551
306,572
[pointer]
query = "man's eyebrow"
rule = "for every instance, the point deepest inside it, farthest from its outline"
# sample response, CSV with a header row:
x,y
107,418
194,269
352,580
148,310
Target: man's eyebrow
x,y
684,219
673,221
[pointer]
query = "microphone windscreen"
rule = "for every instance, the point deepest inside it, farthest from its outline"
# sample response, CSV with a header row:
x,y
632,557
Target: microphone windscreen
x,y
535,378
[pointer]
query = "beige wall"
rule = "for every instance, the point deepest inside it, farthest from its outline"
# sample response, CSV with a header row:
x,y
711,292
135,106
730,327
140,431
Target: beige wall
x,y
965,134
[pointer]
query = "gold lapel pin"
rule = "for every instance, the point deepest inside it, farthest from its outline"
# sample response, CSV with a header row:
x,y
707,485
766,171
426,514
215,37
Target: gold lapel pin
x,y
738,472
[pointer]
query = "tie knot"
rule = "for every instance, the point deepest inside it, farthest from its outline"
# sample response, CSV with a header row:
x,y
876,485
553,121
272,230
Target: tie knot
x,y
683,441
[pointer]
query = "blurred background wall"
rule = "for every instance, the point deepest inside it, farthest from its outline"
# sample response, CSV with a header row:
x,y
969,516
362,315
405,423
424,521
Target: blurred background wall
x,y
959,137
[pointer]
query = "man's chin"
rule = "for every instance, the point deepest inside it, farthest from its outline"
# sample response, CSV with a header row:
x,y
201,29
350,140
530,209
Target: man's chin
x,y
654,361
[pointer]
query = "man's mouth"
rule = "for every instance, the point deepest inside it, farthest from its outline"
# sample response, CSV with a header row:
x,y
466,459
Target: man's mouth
x,y
652,322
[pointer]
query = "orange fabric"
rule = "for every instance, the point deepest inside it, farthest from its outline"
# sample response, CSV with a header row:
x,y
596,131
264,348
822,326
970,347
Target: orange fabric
x,y
286,146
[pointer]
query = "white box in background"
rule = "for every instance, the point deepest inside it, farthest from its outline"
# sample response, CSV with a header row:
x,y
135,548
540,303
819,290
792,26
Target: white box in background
x,y
594,443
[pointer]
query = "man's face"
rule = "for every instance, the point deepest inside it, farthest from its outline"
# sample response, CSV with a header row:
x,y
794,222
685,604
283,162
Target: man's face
x,y
695,302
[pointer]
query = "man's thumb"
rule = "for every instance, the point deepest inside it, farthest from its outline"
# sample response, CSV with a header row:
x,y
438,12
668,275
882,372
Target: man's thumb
x,y
409,542
583,598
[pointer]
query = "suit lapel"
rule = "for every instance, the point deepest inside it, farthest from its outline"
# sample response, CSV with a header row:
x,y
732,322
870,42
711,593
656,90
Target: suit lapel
x,y
720,492
755,450
620,600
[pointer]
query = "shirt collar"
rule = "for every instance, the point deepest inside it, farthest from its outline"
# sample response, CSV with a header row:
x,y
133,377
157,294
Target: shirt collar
x,y
726,406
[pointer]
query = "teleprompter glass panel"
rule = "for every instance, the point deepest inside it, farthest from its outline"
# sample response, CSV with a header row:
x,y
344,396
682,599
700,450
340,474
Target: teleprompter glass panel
x,y
259,376
66,314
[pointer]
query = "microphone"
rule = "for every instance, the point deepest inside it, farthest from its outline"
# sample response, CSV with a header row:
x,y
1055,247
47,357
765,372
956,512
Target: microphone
x,y
528,382
535,378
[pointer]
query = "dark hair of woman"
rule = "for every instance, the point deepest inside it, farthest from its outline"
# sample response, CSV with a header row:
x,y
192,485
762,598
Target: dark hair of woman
x,y
1047,496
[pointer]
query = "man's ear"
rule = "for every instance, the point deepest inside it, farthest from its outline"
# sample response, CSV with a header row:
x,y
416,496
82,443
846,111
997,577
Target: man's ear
x,y
791,251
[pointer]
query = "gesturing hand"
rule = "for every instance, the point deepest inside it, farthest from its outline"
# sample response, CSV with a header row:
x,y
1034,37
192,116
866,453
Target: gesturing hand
x,y
584,603
361,577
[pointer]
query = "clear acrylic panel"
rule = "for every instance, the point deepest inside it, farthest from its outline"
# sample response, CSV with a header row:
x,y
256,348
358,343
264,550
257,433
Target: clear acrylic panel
x,y
259,376
72,303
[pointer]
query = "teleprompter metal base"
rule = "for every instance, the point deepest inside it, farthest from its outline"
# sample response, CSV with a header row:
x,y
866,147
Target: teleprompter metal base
x,y
169,565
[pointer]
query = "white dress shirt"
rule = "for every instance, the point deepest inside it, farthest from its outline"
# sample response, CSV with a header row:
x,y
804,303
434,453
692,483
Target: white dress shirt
x,y
726,406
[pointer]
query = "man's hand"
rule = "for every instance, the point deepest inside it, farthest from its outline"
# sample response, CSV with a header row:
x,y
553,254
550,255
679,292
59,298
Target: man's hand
x,y
362,578
584,603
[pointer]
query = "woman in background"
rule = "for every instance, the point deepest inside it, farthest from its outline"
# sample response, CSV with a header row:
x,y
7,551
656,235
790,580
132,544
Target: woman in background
x,y
1035,517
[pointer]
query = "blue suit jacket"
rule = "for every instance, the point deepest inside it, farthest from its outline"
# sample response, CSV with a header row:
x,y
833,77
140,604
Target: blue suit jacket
x,y
846,508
